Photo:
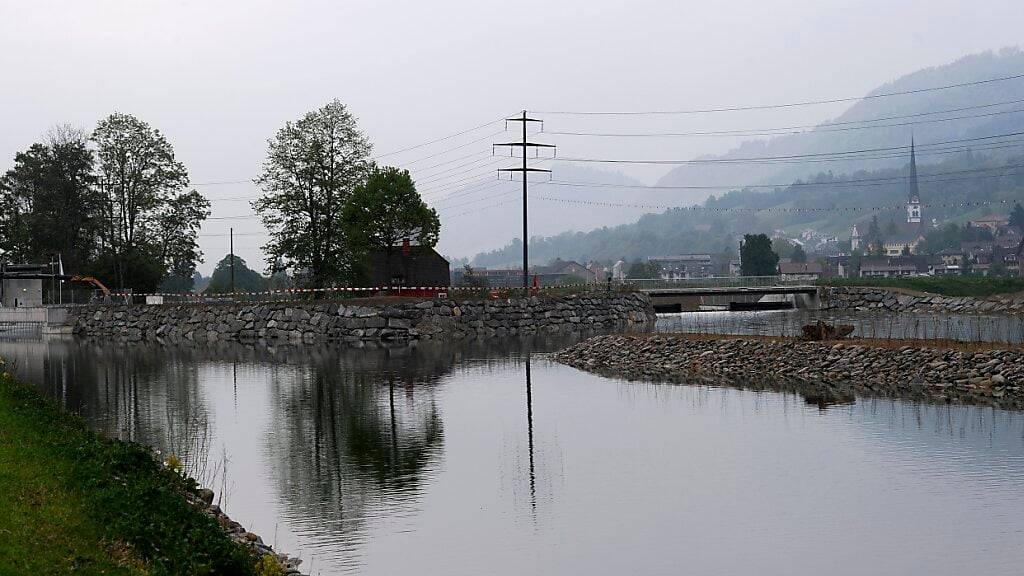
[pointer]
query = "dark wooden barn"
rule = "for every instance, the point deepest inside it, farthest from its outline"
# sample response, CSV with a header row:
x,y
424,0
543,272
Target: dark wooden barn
x,y
412,266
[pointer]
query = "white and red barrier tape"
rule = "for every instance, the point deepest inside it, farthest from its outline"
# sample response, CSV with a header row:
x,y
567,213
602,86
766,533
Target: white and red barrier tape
x,y
392,289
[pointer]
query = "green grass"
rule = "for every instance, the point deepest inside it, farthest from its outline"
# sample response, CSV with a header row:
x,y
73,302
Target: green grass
x,y
72,502
977,287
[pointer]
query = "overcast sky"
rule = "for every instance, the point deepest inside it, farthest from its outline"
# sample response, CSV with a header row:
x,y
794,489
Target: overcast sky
x,y
219,78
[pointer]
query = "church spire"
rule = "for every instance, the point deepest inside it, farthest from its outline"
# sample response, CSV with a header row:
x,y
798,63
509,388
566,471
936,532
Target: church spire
x,y
913,194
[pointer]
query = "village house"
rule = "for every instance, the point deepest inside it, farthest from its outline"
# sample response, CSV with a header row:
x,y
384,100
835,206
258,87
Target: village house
x,y
619,270
886,267
993,223
682,266
563,272
792,271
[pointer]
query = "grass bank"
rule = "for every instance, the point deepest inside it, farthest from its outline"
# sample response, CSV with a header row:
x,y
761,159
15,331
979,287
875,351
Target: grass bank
x,y
76,503
973,286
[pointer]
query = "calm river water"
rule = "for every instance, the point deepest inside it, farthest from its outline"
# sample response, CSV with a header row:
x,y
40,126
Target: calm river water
x,y
486,458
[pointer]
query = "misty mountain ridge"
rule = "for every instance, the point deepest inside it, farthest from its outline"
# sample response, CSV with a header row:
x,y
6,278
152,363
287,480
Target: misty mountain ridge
x,y
826,137
580,244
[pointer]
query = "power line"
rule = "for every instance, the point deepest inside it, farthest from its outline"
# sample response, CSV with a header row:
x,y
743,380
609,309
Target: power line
x,y
783,105
482,177
481,209
790,130
462,169
442,139
811,128
221,182
238,217
475,189
831,155
471,142
445,163
467,203
881,180
700,208
236,234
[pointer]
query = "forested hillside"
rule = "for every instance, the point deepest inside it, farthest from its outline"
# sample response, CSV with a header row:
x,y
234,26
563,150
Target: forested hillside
x,y
936,116
968,150
962,187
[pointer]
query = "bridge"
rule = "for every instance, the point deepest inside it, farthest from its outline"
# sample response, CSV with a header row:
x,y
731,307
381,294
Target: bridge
x,y
729,293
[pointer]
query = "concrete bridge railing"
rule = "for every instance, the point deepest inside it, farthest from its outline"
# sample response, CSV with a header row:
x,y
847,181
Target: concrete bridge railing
x,y
646,284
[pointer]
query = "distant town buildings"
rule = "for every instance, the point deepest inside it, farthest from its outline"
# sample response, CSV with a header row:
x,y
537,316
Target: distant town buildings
x,y
682,266
619,271
875,249
810,271
564,272
887,266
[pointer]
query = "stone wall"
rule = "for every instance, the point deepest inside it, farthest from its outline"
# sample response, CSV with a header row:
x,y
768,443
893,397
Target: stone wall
x,y
820,370
880,299
364,320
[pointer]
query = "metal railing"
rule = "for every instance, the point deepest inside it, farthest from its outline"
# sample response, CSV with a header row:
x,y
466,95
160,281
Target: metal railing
x,y
719,282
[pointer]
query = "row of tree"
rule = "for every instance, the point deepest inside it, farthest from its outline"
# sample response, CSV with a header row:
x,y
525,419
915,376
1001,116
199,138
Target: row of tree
x,y
326,204
116,204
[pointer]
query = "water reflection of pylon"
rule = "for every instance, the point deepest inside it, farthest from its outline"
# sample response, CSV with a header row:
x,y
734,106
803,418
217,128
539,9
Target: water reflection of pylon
x,y
529,433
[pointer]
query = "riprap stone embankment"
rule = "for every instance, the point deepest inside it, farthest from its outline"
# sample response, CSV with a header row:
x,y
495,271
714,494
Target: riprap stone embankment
x,y
882,300
823,369
357,321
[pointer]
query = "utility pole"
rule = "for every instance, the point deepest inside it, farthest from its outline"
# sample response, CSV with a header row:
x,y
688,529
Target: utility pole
x,y
231,234
525,145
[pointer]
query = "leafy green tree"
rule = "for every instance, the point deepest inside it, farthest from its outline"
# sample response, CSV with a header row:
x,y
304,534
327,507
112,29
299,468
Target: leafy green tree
x,y
1017,216
471,279
874,230
998,269
853,268
757,257
148,212
798,254
385,210
48,204
176,284
935,241
313,166
976,234
782,247
246,279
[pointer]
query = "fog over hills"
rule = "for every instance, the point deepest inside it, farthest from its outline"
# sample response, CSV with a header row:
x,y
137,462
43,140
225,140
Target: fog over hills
x,y
546,216
854,129
931,117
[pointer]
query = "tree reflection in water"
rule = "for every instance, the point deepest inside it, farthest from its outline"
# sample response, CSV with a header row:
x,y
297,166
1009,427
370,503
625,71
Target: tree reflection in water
x,y
357,432
134,393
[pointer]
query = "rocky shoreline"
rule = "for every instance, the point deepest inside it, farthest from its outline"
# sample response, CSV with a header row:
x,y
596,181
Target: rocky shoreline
x,y
882,300
204,501
823,372
361,321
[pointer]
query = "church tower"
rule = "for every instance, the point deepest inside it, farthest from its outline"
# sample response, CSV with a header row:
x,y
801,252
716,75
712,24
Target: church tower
x,y
913,195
